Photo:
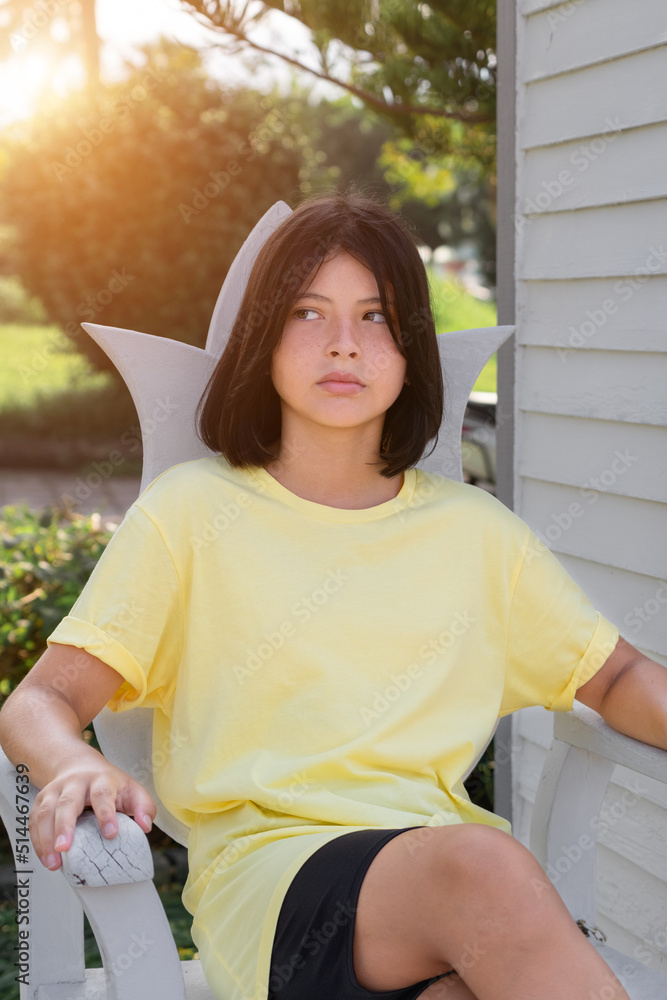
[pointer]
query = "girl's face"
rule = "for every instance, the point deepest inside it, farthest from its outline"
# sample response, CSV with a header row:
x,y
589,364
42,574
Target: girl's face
x,y
335,326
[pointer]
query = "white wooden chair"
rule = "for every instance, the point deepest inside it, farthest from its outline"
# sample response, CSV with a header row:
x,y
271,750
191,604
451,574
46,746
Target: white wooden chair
x,y
111,880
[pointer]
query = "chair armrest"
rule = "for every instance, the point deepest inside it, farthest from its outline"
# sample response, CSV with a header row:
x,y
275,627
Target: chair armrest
x,y
569,797
128,919
585,729
55,915
94,861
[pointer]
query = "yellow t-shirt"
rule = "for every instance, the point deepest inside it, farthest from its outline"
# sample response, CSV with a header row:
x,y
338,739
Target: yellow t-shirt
x,y
317,671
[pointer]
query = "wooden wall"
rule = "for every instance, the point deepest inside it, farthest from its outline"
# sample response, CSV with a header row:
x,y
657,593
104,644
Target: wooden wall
x,y
590,408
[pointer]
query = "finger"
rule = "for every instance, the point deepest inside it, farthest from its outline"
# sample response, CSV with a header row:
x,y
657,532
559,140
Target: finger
x,y
33,827
42,829
103,799
69,805
139,804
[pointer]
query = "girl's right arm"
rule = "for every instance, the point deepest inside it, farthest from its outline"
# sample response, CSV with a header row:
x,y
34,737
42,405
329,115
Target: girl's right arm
x,y
41,724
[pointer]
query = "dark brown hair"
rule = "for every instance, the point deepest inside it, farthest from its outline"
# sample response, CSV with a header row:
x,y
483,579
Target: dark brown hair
x,y
239,412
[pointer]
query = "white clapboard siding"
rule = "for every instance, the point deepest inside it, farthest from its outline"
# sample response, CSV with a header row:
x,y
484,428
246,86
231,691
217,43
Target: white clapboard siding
x,y
620,593
620,240
620,94
611,314
580,451
591,380
612,168
583,521
625,386
578,34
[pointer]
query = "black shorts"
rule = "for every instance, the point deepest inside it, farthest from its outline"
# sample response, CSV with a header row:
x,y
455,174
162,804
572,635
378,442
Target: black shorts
x,y
312,957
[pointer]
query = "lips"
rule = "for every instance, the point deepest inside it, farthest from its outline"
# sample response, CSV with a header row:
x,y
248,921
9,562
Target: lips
x,y
340,377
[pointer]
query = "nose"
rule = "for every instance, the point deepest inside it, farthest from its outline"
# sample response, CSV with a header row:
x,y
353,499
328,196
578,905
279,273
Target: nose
x,y
344,339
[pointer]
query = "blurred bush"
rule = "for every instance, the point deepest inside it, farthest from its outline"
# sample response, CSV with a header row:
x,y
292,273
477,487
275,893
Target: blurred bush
x,y
46,558
128,207
16,306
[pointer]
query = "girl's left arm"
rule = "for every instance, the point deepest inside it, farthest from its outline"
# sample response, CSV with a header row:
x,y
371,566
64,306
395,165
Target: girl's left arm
x,y
630,693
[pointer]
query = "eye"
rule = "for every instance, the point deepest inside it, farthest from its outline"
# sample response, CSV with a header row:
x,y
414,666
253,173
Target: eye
x,y
303,310
381,315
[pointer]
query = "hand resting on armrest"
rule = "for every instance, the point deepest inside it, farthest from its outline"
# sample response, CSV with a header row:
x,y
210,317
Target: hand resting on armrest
x,y
41,725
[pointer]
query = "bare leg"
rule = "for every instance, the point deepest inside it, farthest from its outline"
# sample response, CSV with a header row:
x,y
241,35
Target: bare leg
x,y
450,988
472,898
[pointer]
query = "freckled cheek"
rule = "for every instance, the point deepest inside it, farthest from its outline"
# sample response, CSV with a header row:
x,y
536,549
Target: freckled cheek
x,y
292,374
388,366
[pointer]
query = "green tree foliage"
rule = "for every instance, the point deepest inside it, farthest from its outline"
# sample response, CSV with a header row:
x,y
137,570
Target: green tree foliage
x,y
462,201
446,205
426,73
129,206
429,68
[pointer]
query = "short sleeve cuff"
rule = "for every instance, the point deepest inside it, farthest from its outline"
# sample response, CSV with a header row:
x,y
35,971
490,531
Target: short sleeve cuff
x,y
602,645
76,632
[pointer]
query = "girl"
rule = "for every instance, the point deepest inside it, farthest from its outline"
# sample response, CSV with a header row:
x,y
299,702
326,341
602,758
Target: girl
x,y
327,666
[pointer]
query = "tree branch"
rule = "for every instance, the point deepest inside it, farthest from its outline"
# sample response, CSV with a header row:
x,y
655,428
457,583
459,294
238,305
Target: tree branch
x,y
396,109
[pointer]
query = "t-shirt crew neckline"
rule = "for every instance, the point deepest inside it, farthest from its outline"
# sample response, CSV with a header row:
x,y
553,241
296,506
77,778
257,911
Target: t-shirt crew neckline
x,y
325,513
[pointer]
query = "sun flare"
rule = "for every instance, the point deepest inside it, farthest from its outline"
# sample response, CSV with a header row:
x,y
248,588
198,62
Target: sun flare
x,y
27,78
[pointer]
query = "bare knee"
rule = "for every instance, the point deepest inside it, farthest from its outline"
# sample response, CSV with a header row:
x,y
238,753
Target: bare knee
x,y
447,897
493,880
475,850
467,851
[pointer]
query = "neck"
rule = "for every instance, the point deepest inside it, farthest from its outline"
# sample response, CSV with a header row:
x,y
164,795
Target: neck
x,y
333,472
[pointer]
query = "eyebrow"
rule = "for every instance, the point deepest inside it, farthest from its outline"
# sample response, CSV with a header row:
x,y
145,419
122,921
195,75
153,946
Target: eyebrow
x,y
323,298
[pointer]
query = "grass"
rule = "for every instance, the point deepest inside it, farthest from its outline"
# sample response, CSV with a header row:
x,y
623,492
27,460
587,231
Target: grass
x,y
47,392
456,309
488,377
36,367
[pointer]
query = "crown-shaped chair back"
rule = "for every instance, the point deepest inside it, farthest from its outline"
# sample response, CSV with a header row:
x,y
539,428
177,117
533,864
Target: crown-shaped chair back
x,y
167,378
